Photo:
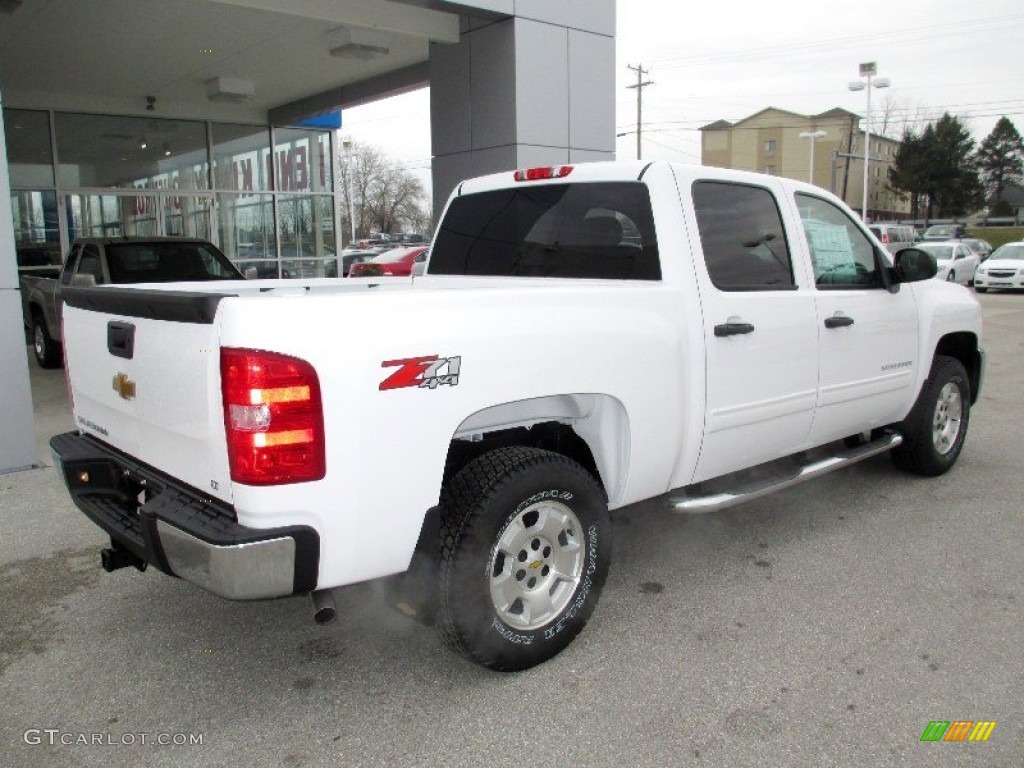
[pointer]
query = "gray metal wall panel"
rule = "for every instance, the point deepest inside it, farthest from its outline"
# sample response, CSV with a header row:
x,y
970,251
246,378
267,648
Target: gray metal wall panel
x,y
17,435
542,84
591,98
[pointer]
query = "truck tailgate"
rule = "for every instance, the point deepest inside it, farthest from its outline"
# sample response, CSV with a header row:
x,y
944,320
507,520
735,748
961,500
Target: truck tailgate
x,y
144,373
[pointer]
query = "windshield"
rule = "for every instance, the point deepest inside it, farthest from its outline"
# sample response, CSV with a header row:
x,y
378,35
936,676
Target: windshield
x,y
168,262
940,252
939,231
1009,251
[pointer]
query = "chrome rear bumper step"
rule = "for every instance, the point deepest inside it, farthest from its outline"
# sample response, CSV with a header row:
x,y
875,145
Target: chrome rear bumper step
x,y
692,500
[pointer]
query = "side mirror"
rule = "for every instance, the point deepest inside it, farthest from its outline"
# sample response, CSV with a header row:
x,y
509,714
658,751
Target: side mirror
x,y
82,280
913,265
251,273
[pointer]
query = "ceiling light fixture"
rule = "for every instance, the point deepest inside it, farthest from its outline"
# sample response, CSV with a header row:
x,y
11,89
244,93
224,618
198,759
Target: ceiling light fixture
x,y
230,89
355,43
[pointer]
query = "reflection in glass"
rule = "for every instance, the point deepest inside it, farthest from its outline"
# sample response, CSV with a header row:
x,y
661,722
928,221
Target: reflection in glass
x,y
302,160
112,215
307,232
36,235
29,154
245,224
126,152
241,154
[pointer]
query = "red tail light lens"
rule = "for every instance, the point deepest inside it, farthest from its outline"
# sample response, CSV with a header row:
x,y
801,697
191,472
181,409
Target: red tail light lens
x,y
273,415
885,238
538,174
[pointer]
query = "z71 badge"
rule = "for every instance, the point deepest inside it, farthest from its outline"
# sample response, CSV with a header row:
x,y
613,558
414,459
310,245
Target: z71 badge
x,y
428,372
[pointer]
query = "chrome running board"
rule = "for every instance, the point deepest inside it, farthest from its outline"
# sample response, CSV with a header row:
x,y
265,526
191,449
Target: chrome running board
x,y
692,500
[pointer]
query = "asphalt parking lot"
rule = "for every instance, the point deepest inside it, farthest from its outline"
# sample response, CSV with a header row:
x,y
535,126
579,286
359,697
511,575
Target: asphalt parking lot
x,y
826,625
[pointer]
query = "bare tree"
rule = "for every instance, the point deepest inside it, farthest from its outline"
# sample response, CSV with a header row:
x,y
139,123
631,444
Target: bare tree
x,y
384,196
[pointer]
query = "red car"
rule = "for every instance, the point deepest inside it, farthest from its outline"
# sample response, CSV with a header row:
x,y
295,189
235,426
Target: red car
x,y
397,261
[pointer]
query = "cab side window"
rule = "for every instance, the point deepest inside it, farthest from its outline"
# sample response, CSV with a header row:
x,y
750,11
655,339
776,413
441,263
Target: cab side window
x,y
90,264
69,265
741,234
842,255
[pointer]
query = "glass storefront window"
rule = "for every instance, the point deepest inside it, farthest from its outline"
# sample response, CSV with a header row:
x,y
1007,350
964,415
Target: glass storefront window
x,y
131,152
112,215
307,235
29,154
36,233
302,160
241,156
245,224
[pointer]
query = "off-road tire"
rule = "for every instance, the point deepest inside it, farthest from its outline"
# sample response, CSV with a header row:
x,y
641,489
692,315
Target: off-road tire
x,y
935,429
525,550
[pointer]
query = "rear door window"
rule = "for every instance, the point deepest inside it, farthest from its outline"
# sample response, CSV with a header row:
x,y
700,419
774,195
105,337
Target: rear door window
x,y
742,237
601,230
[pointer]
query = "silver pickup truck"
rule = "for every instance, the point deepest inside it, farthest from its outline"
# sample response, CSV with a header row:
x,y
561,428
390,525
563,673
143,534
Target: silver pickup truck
x,y
101,260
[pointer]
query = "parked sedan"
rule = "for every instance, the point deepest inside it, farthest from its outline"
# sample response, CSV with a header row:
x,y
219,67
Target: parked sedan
x,y
1003,270
981,247
957,263
397,261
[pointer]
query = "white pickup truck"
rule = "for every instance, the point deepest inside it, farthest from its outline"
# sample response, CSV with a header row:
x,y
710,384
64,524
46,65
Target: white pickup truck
x,y
585,337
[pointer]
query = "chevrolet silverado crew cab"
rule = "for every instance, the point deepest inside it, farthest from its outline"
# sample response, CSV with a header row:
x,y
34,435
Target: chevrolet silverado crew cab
x,y
584,337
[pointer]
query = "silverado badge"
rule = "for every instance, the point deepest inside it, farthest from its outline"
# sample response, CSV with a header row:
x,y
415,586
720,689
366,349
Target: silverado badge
x,y
124,386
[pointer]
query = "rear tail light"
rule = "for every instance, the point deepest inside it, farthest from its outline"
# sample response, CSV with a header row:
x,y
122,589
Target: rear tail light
x,y
885,238
547,172
273,415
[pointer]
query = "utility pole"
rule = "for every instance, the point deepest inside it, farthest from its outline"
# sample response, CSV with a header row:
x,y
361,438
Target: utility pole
x,y
640,85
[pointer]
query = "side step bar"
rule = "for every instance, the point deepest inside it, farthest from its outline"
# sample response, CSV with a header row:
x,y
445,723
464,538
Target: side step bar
x,y
690,500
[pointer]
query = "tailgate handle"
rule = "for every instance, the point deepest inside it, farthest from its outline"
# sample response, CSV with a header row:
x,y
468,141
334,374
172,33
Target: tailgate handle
x,y
121,339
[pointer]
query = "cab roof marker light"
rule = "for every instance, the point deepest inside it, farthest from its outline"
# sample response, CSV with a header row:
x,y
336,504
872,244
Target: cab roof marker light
x,y
543,172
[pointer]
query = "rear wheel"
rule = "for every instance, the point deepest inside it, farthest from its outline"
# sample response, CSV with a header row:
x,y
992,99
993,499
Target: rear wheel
x,y
47,351
935,430
525,550
951,277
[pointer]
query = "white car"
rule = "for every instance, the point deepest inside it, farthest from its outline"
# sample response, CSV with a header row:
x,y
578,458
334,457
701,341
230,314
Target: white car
x,y
957,263
1004,269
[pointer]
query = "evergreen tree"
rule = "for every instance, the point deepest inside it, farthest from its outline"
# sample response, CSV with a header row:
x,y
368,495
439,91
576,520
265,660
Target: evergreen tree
x,y
956,186
1001,158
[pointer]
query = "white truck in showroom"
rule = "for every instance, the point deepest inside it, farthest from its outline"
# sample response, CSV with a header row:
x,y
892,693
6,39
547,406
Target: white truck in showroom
x,y
585,337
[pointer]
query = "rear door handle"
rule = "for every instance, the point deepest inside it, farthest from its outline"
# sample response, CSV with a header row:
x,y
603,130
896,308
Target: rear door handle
x,y
733,329
838,321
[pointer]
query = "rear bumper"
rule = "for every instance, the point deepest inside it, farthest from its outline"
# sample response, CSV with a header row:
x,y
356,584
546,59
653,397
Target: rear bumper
x,y
178,530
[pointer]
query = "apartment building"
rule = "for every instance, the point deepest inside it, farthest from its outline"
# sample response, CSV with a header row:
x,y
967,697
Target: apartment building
x,y
770,142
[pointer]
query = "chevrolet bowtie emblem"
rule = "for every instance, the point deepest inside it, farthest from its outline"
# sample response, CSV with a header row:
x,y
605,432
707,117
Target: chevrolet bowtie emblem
x,y
124,386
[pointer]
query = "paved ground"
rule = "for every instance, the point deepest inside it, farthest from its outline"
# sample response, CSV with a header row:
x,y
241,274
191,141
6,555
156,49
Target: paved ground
x,y
824,626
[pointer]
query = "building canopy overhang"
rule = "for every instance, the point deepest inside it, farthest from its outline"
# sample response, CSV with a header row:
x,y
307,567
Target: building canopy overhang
x,y
229,60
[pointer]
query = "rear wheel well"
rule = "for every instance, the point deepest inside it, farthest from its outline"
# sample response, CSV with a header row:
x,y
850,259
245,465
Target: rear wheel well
x,y
551,436
964,347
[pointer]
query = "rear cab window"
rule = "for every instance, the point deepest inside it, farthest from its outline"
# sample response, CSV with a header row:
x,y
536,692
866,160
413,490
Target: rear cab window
x,y
595,230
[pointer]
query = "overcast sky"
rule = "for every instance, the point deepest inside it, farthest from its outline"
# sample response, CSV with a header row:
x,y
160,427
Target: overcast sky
x,y
728,60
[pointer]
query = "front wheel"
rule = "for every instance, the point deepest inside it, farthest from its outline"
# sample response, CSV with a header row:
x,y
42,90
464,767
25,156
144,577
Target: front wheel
x,y
935,429
525,550
951,277
981,290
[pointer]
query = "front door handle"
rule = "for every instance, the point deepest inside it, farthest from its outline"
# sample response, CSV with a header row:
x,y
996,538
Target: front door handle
x,y
733,329
838,321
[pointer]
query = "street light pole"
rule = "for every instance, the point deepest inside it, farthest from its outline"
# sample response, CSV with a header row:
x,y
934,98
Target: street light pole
x,y
812,135
349,153
868,70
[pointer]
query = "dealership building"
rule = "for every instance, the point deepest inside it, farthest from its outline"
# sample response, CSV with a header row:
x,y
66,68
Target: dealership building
x,y
217,119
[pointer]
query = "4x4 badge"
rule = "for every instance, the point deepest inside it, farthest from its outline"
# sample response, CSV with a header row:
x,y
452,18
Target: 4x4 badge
x,y
427,372
124,386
